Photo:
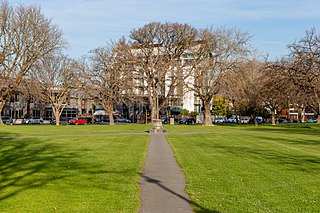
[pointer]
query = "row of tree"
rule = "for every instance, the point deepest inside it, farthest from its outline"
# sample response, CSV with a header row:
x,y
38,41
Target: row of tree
x,y
290,82
216,62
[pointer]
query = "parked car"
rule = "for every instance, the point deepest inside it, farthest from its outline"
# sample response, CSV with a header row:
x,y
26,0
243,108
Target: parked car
x,y
89,120
244,120
34,120
164,119
104,120
312,121
259,120
294,121
187,121
122,120
282,121
6,120
78,121
63,121
219,120
232,119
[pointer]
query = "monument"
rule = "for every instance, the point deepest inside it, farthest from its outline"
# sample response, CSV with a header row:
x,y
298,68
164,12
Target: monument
x,y
157,126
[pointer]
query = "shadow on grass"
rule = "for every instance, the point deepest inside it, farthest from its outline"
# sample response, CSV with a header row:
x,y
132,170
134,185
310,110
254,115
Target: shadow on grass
x,y
288,128
33,162
291,158
296,160
199,208
28,163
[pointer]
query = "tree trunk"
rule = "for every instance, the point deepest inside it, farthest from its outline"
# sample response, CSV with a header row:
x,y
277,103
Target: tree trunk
x,y
111,119
57,114
318,122
154,110
28,107
2,102
109,110
303,114
207,121
273,117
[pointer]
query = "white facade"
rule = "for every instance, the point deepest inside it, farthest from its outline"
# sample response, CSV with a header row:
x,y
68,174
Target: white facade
x,y
188,95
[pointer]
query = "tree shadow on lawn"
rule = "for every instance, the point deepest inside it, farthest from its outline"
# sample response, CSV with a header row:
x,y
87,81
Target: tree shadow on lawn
x,y
297,160
292,160
313,130
28,163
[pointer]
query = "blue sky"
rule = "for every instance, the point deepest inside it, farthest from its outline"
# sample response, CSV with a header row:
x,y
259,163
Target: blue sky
x,y
273,24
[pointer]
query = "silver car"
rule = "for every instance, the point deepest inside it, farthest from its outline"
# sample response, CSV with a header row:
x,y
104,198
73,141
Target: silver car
x,y
244,120
34,120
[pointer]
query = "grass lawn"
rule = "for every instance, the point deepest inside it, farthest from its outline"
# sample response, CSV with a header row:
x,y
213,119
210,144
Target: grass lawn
x,y
250,169
75,173
97,168
44,130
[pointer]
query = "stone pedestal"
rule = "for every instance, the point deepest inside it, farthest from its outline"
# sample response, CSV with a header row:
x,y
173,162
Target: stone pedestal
x,y
171,121
157,126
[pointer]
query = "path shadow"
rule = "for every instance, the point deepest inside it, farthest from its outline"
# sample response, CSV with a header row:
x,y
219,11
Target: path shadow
x,y
200,209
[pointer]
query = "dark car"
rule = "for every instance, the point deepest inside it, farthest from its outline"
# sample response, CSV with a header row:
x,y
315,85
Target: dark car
x,y
104,120
282,121
294,121
187,121
6,119
89,120
259,120
63,121
164,119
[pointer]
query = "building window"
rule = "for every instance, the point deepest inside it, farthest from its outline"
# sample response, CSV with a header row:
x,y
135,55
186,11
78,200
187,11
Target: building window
x,y
36,113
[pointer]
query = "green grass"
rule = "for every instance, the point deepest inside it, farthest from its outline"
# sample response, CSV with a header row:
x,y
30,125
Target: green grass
x,y
97,168
88,173
44,130
250,169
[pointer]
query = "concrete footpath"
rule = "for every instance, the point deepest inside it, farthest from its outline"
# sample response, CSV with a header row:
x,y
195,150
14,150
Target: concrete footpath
x,y
162,182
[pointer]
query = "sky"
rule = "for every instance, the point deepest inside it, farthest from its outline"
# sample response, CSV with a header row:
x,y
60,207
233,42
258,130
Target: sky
x,y
273,24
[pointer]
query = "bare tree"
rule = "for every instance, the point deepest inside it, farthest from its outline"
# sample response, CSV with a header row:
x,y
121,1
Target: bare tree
x,y
221,51
53,81
274,87
109,77
242,88
304,69
26,36
156,53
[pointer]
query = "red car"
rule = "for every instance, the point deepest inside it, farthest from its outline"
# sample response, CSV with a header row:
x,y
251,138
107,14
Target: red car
x,y
79,121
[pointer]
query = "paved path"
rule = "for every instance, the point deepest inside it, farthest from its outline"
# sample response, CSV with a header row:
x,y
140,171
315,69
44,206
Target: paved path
x,y
162,182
